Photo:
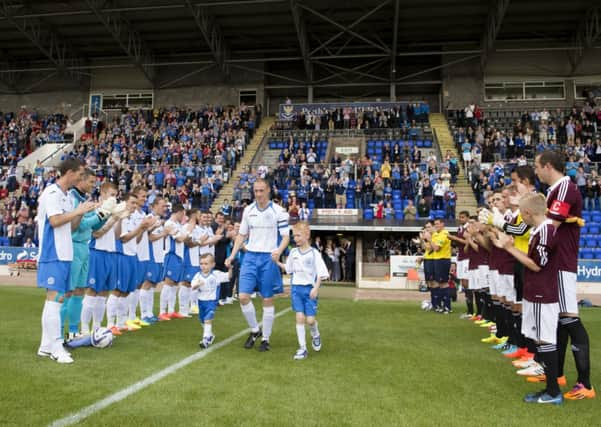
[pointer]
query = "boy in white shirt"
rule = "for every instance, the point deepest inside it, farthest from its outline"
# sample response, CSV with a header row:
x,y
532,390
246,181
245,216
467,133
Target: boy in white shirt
x,y
208,281
307,270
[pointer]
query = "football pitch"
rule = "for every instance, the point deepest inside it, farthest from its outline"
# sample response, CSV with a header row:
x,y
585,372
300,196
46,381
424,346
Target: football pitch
x,y
382,363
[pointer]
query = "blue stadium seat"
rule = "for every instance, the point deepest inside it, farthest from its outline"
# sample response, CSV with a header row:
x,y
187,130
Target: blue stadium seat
x,y
427,143
587,216
591,243
593,229
586,254
368,214
398,215
596,217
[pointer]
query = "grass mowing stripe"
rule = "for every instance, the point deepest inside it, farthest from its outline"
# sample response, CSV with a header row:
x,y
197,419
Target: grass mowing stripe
x,y
134,388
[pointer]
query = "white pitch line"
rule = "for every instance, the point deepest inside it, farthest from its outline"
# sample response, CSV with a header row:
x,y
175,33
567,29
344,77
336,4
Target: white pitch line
x,y
134,388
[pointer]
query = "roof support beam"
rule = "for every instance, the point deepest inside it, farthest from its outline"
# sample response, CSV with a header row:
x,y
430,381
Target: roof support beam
x,y
587,34
496,14
438,67
352,71
58,51
375,62
8,79
303,39
129,40
212,35
395,37
350,27
344,29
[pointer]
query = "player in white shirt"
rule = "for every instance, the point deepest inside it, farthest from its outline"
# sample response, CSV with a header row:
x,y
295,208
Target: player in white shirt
x,y
208,281
173,265
102,267
56,218
154,268
191,260
307,270
207,246
262,223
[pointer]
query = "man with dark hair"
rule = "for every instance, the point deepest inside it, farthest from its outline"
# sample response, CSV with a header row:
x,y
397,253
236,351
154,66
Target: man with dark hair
x,y
56,218
564,203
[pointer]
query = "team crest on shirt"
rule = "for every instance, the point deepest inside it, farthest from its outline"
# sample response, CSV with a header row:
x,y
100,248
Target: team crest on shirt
x,y
148,274
51,280
92,281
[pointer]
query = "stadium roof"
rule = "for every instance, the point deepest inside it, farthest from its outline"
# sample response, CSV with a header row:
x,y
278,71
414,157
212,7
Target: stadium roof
x,y
324,42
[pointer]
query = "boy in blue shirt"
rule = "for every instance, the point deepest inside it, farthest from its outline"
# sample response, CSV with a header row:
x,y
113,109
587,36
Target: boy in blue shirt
x,y
208,281
307,270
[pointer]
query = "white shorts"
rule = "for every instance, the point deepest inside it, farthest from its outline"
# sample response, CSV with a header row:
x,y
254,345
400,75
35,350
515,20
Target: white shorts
x,y
483,276
539,321
463,268
493,282
467,157
472,280
568,301
508,290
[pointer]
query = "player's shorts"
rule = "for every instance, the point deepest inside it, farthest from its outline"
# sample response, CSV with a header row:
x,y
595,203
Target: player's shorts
x,y
54,275
141,269
539,321
79,266
493,282
189,273
154,272
518,281
103,271
173,267
259,272
206,309
302,302
127,276
506,285
472,280
568,301
483,271
441,270
467,157
429,270
463,266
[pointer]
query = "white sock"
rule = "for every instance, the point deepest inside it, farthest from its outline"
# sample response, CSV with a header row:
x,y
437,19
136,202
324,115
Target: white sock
x,y
302,339
172,298
112,305
164,298
121,311
208,330
98,312
250,315
143,304
132,304
150,302
184,300
268,318
51,326
87,309
314,330
194,297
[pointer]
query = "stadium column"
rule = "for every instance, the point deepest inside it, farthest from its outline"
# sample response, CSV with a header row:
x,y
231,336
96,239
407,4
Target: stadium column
x,y
309,94
392,92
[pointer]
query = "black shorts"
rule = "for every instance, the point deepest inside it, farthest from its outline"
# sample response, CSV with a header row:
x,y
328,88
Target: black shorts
x,y
441,270
518,281
429,270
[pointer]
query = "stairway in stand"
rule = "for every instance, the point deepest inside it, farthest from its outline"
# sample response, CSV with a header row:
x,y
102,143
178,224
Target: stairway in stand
x,y
251,149
465,196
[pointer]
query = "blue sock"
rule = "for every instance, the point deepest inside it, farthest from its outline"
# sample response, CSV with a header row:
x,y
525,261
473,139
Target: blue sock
x,y
74,312
64,312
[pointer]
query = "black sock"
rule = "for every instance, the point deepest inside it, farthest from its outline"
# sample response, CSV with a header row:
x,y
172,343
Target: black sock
x,y
562,343
580,350
478,298
516,325
498,318
469,300
489,313
548,358
531,346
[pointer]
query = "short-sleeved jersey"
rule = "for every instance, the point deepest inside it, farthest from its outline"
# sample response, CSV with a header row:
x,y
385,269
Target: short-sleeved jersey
x,y
306,267
107,242
172,245
130,247
520,231
192,254
207,249
478,258
263,226
208,291
542,286
461,255
143,250
157,248
504,261
441,239
55,242
89,222
564,204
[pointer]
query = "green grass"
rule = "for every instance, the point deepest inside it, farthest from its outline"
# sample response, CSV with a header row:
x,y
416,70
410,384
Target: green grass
x,y
382,364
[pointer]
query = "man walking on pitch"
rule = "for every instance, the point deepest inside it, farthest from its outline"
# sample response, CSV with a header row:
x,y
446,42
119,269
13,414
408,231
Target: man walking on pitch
x,y
262,222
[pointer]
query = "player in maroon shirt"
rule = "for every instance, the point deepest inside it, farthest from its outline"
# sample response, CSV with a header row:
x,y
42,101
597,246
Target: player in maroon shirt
x,y
564,203
541,293
463,261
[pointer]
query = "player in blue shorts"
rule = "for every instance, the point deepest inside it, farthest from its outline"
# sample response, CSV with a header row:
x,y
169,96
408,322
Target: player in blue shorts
x,y
56,218
208,281
262,223
307,270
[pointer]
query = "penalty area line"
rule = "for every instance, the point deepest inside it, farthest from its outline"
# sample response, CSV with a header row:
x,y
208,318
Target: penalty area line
x,y
140,385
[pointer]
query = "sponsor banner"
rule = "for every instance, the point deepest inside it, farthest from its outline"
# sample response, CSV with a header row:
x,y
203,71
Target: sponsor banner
x,y
347,150
290,111
337,212
589,270
9,254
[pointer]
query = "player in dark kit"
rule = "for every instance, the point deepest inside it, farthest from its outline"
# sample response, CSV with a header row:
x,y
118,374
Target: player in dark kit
x,y
564,203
